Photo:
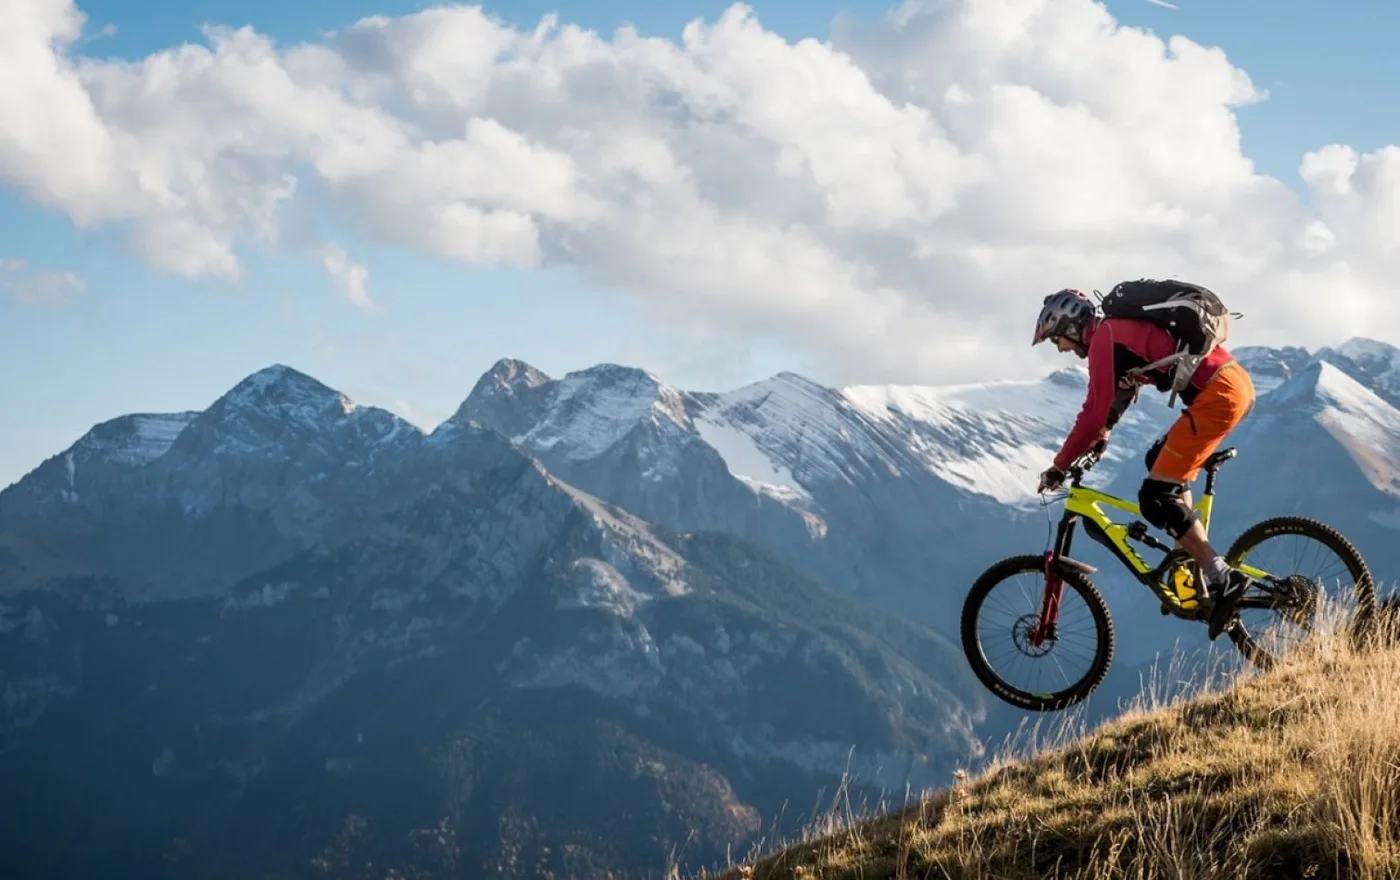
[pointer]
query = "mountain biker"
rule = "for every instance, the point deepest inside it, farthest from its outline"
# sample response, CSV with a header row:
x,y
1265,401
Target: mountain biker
x,y
1219,396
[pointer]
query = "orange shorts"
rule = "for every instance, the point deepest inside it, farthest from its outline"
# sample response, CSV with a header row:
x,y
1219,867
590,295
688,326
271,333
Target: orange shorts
x,y
1220,406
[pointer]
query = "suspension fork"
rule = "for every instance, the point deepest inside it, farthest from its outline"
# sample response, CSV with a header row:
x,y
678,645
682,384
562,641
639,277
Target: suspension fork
x,y
1045,627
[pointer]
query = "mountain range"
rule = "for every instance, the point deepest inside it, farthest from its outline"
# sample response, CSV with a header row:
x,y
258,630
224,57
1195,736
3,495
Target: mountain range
x,y
587,623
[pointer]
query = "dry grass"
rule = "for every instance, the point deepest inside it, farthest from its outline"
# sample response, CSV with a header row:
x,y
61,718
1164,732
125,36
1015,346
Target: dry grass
x,y
1290,773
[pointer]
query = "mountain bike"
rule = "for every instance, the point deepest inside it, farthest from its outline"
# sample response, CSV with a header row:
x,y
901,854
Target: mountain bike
x,y
1045,631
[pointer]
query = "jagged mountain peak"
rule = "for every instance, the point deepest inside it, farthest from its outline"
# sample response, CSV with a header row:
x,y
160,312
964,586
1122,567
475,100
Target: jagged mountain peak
x,y
596,407
280,387
580,415
1363,348
509,398
617,379
1320,383
509,375
1356,418
263,406
1269,367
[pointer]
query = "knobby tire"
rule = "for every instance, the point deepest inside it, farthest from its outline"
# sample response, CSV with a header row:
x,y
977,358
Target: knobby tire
x,y
1329,538
976,658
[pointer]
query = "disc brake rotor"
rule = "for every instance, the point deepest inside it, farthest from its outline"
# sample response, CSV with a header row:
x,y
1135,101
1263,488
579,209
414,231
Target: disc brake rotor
x,y
1021,634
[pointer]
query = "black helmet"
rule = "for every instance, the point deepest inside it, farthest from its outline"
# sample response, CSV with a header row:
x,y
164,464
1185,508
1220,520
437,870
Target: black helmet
x,y
1065,313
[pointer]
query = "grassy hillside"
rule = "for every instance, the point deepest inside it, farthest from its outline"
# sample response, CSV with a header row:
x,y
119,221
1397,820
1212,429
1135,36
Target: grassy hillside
x,y
1293,773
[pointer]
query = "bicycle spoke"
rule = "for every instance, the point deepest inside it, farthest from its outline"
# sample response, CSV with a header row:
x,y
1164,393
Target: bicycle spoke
x,y
1303,574
1004,634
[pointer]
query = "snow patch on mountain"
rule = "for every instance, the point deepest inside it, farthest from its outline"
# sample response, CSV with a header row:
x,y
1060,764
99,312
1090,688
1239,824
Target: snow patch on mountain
x,y
993,438
806,431
155,434
1361,348
151,436
747,462
592,410
289,393
1373,363
1364,424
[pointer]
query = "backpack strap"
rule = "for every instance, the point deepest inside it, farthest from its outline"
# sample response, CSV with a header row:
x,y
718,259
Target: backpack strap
x,y
1179,381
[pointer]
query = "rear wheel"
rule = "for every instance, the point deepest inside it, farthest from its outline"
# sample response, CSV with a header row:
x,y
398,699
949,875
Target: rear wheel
x,y
999,613
1310,568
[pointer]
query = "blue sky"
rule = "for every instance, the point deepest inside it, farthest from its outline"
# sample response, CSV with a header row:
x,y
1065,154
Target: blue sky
x,y
137,339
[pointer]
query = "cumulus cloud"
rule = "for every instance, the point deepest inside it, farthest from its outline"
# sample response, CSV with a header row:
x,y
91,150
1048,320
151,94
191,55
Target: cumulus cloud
x,y
895,200
38,287
352,279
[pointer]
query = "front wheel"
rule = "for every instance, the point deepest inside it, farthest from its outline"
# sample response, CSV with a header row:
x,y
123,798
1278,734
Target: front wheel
x,y
1300,567
998,615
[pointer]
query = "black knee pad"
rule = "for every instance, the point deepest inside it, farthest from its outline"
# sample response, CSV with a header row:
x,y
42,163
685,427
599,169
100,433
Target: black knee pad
x,y
1163,507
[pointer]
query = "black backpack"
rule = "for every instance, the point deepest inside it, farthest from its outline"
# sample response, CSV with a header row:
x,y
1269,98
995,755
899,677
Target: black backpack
x,y
1194,316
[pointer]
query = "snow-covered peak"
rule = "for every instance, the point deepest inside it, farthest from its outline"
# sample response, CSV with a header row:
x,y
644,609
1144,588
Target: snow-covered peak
x,y
587,412
807,431
286,390
1373,363
1308,387
1323,385
278,411
1360,348
993,438
1361,421
791,406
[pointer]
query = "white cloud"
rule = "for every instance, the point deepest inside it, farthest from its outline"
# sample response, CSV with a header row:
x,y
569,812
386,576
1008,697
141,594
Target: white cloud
x,y
895,201
38,287
352,279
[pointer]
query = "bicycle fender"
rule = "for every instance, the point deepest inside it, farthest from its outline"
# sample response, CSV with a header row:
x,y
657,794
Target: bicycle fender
x,y
1066,562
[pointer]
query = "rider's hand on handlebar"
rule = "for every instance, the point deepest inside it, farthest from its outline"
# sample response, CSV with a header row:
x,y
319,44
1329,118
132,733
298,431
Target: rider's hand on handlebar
x,y
1050,479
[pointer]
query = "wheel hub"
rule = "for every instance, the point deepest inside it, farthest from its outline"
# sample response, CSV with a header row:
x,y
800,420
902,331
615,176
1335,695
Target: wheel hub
x,y
1296,596
1023,629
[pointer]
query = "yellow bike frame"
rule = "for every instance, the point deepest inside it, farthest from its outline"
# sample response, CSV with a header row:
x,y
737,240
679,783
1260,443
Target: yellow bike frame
x,y
1089,505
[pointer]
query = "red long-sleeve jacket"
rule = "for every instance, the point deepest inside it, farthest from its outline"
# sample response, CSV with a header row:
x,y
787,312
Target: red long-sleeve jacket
x,y
1117,345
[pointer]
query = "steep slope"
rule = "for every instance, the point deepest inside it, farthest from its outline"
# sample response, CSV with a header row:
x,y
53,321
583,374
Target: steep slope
x,y
1289,774
1371,362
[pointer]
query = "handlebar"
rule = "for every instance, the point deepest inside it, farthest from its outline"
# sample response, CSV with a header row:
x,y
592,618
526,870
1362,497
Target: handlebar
x,y
1075,473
